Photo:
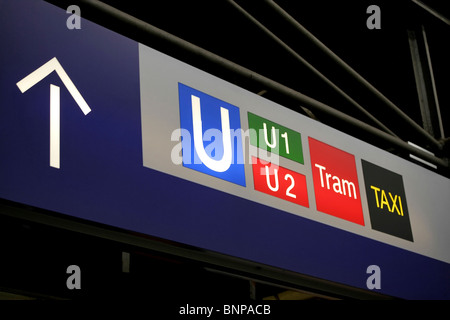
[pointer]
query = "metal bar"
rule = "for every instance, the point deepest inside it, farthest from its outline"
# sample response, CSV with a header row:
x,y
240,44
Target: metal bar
x,y
432,11
419,76
311,67
433,84
153,31
434,142
426,87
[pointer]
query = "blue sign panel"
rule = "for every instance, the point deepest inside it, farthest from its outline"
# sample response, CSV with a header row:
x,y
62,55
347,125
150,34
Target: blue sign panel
x,y
42,62
212,141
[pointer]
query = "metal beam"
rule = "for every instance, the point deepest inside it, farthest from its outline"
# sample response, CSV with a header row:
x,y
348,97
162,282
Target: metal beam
x,y
185,46
432,11
433,84
424,101
426,88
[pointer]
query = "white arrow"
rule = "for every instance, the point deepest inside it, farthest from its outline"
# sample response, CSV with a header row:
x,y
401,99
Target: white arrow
x,y
36,76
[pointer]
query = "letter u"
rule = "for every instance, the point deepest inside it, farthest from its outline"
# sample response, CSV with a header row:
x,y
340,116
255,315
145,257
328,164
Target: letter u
x,y
216,165
274,189
273,136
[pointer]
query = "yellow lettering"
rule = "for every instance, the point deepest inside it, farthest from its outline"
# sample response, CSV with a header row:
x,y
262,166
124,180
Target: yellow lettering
x,y
401,207
394,203
376,194
384,200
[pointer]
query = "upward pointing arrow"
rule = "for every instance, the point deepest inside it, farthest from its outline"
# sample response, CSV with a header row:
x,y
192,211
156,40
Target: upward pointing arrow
x,y
43,71
36,76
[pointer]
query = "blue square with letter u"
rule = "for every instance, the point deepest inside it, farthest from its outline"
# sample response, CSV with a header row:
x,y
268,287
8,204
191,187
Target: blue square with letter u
x,y
211,135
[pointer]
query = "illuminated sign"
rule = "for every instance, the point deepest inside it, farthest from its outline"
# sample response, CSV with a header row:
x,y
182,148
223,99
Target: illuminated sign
x,y
173,152
335,182
275,138
205,118
38,75
387,201
279,182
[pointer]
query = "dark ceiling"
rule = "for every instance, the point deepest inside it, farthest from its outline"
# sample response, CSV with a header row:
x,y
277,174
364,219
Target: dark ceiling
x,y
381,56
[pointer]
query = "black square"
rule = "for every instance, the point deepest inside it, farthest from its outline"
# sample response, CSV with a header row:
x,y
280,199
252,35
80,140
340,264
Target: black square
x,y
387,201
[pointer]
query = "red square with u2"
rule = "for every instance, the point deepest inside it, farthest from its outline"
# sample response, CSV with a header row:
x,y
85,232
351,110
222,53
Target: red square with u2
x,y
280,182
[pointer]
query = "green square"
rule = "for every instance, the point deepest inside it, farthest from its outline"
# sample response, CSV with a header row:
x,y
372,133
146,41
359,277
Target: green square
x,y
275,138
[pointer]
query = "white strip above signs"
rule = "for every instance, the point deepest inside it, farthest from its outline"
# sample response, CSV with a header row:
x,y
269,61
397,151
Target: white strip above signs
x,y
216,134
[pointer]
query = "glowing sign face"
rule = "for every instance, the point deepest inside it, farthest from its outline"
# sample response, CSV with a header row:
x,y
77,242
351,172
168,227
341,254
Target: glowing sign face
x,y
275,138
212,137
35,77
335,182
280,182
115,165
387,201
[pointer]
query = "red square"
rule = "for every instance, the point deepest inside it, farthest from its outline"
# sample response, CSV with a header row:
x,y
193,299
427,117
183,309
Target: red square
x,y
335,182
280,182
